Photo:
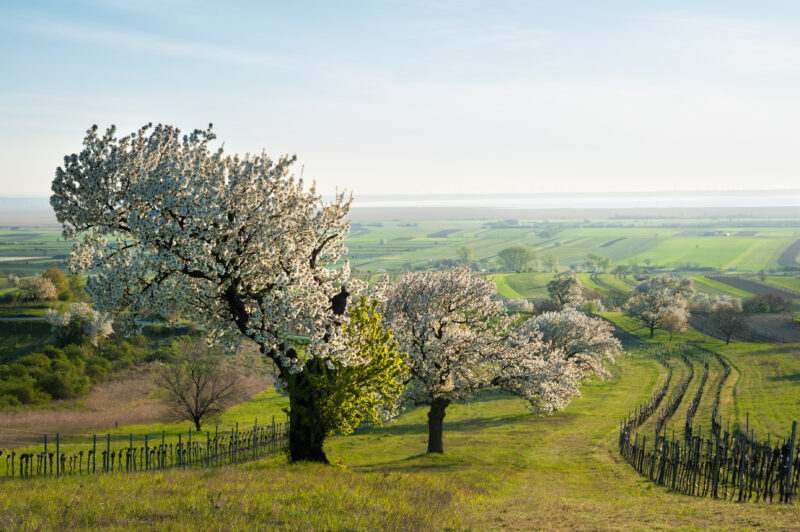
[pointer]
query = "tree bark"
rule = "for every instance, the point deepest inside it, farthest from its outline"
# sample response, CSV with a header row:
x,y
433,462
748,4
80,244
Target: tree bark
x,y
307,427
435,423
652,330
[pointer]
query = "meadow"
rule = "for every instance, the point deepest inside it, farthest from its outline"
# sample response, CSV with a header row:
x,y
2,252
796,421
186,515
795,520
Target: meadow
x,y
503,468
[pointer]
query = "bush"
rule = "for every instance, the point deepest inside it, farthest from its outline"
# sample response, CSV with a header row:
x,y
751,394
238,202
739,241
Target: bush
x,y
23,391
65,382
8,401
96,368
772,303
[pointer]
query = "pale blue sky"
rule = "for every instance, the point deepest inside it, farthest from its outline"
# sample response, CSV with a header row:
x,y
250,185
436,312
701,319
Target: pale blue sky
x,y
414,97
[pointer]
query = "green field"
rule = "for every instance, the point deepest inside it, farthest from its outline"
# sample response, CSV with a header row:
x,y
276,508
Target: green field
x,y
715,288
763,382
406,245
792,284
399,245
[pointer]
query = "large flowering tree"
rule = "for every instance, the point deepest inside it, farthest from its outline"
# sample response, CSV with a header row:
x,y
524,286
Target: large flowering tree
x,y
235,243
459,341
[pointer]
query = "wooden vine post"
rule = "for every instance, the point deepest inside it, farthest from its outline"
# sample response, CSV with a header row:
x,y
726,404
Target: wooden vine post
x,y
789,465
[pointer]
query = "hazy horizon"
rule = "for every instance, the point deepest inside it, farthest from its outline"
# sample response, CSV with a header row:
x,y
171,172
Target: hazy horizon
x,y
507,201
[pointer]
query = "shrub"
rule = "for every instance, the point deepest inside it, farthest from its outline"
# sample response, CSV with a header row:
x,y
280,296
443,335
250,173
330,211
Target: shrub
x,y
65,381
8,401
772,303
96,368
23,391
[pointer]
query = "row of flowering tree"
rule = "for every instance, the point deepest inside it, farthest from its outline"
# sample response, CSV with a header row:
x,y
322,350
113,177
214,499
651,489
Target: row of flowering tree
x,y
168,225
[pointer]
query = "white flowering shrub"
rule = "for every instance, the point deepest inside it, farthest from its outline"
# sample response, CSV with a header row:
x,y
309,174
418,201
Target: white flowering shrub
x,y
234,243
519,305
95,325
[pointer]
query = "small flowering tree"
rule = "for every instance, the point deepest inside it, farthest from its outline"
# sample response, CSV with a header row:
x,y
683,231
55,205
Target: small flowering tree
x,y
235,243
37,289
655,299
460,341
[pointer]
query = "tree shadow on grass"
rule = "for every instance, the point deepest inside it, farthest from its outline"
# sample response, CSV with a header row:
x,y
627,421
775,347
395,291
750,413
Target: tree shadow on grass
x,y
794,377
469,424
455,430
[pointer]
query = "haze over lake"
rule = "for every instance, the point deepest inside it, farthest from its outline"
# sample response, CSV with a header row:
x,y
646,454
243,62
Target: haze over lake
x,y
615,200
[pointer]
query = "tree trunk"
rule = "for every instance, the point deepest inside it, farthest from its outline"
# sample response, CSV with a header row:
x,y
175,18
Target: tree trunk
x,y
435,422
197,425
652,330
307,428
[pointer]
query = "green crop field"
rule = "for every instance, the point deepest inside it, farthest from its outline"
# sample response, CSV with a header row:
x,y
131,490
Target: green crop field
x,y
713,287
613,282
791,284
522,285
399,245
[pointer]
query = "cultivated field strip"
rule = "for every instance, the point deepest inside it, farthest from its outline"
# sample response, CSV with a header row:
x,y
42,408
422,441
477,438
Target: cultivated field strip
x,y
692,410
680,374
727,465
789,255
754,287
139,452
675,399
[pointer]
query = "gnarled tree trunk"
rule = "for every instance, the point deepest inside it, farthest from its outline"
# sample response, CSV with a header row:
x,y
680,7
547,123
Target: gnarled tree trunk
x,y
307,427
435,422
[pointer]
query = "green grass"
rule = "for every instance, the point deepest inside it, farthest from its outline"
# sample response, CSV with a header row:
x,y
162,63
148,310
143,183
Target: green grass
x,y
623,285
767,387
587,283
791,284
503,289
713,287
261,408
632,326
530,285
504,468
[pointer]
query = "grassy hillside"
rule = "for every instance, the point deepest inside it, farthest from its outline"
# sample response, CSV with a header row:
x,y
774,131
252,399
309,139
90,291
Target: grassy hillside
x,y
503,468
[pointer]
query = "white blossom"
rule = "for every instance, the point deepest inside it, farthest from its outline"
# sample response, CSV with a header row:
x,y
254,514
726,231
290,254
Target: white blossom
x,y
459,341
233,242
96,324
37,289
659,297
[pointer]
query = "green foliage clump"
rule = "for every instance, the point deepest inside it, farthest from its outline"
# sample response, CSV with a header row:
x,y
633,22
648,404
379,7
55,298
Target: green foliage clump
x,y
517,258
52,374
366,391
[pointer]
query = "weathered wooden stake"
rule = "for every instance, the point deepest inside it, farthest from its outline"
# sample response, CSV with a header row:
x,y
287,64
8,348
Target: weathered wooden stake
x,y
58,459
789,468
